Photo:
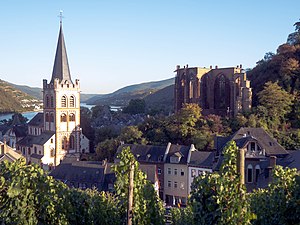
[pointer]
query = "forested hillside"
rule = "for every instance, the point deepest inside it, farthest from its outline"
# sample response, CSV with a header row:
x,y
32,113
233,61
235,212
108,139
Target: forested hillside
x,y
14,100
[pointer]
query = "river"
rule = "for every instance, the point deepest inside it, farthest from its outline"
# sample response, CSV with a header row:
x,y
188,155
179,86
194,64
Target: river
x,y
30,115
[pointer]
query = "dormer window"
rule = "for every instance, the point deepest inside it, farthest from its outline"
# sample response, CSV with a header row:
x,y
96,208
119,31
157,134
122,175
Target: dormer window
x,y
148,157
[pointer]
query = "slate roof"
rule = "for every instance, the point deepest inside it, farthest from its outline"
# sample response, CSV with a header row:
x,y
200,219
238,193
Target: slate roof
x,y
245,134
89,172
37,120
202,159
145,153
292,160
38,140
61,68
36,156
182,149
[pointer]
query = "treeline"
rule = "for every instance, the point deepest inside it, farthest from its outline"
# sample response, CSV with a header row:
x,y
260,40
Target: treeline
x,y
220,198
29,196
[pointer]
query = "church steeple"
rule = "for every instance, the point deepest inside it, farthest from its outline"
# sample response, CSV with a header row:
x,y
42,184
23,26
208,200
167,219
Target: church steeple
x,y
61,66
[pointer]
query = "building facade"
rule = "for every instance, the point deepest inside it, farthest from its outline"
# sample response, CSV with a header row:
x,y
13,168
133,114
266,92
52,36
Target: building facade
x,y
56,132
220,91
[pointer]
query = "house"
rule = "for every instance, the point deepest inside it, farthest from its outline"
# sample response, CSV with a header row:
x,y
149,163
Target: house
x,y
261,153
8,154
200,162
176,183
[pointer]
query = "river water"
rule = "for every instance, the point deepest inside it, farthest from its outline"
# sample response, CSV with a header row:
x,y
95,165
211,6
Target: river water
x,y
30,115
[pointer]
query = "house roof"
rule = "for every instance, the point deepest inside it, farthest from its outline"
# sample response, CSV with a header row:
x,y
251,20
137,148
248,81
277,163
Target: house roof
x,y
37,120
145,153
29,140
246,134
178,149
202,159
81,172
292,160
36,156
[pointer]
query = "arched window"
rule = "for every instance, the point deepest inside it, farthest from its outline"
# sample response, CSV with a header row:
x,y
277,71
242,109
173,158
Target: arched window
x,y
72,142
72,117
63,101
52,101
52,152
63,118
35,149
249,173
257,172
47,117
51,117
72,101
64,143
29,151
47,101
221,92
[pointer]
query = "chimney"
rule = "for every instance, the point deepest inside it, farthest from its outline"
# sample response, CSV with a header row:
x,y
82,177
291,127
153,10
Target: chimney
x,y
210,67
187,65
272,161
241,66
177,67
241,165
167,151
216,67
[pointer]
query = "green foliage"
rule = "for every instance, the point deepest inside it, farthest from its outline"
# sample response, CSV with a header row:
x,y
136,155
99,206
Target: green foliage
x,y
135,106
107,149
29,196
132,135
277,103
219,198
182,216
279,203
147,207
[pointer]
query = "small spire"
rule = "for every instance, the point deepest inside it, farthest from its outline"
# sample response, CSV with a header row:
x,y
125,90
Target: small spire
x,y
61,17
61,66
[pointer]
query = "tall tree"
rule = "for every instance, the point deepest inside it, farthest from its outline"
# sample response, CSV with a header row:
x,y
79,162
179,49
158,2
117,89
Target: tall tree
x,y
276,101
147,207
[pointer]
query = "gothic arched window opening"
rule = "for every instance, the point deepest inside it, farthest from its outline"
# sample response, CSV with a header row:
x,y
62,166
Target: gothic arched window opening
x,y
72,142
63,101
63,118
72,117
72,101
64,143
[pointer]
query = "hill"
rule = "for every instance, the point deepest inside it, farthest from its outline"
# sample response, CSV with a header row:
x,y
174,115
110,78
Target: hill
x,y
122,96
14,100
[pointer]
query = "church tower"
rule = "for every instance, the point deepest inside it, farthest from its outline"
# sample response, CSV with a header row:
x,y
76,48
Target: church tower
x,y
61,98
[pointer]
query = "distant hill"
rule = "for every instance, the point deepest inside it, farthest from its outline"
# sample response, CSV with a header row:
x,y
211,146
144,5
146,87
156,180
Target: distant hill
x,y
14,100
32,91
122,96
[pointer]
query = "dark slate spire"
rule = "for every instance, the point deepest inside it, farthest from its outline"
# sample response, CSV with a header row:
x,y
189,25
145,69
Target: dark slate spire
x,y
61,66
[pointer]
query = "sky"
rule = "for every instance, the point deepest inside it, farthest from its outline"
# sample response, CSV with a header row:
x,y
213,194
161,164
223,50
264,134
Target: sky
x,y
113,43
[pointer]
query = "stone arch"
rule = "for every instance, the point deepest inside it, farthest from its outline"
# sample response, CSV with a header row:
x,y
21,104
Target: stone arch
x,y
72,142
221,92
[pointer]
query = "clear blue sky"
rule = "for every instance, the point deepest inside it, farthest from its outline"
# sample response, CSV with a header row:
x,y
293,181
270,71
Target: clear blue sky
x,y
113,43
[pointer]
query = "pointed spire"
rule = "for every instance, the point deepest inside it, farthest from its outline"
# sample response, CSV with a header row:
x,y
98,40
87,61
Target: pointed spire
x,y
61,66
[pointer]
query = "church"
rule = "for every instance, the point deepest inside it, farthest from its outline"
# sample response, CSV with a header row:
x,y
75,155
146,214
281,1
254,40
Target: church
x,y
219,91
55,132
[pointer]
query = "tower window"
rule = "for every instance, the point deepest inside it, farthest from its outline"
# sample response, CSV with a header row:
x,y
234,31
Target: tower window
x,y
63,118
47,101
51,117
72,142
64,143
52,101
63,101
72,101
47,117
72,117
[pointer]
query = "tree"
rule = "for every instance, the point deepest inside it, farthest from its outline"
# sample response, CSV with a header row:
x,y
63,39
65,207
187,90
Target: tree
x,y
29,196
277,103
147,207
135,106
132,135
279,203
294,38
86,125
219,198
107,149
